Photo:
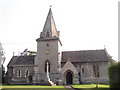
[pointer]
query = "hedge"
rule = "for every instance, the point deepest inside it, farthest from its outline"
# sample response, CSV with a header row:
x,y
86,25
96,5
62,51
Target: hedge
x,y
114,78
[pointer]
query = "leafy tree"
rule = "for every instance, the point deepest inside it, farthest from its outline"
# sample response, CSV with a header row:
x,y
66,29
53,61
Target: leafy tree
x,y
112,61
114,72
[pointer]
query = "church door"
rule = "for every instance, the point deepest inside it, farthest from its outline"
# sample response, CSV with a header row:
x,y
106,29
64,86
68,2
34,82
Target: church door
x,y
69,78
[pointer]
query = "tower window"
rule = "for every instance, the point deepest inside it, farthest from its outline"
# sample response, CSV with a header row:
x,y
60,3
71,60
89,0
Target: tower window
x,y
47,34
47,66
47,44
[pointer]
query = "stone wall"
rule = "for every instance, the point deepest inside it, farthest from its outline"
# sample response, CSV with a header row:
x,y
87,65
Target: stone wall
x,y
88,77
83,72
22,79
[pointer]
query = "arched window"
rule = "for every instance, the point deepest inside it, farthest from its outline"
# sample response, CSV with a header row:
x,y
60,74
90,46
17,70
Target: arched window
x,y
13,71
26,73
96,70
47,34
19,73
82,70
47,65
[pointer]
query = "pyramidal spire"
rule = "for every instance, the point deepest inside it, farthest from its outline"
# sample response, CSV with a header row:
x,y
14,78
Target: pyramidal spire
x,y
49,29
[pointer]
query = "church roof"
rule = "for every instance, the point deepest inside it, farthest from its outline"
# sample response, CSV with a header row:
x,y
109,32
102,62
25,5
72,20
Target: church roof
x,y
21,60
85,56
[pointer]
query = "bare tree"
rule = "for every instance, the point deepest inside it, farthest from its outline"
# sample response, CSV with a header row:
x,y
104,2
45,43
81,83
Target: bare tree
x,y
26,52
2,56
2,59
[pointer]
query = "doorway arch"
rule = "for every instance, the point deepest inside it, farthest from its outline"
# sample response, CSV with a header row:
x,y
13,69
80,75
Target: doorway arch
x,y
69,77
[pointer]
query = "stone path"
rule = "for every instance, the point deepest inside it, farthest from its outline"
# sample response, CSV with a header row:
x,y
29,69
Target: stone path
x,y
69,88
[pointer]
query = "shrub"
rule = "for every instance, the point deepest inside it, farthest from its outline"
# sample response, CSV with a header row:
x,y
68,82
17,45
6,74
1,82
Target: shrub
x,y
114,72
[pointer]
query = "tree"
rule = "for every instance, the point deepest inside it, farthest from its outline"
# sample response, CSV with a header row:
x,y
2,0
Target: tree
x,y
112,61
114,72
26,52
2,56
2,60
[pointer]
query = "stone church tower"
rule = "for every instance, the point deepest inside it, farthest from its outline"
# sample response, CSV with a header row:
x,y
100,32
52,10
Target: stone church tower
x,y
47,53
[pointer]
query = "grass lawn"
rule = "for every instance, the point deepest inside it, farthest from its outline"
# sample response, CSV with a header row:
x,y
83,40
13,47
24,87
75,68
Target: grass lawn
x,y
38,87
31,87
91,87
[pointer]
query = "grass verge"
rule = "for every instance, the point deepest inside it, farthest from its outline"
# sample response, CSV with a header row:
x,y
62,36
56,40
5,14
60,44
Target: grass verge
x,y
31,87
91,87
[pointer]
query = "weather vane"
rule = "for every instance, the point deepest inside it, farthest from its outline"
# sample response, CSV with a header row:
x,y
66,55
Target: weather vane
x,y
104,47
50,6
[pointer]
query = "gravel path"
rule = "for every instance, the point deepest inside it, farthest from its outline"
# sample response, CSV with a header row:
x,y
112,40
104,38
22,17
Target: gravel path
x,y
69,88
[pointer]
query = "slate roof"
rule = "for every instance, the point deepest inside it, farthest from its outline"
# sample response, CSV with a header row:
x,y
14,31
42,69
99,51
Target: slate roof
x,y
85,56
21,60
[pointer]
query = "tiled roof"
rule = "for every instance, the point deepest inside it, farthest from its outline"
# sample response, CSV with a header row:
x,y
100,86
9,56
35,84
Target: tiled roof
x,y
21,60
85,56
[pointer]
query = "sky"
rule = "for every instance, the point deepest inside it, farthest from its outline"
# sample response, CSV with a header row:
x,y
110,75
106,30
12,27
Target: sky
x,y
83,24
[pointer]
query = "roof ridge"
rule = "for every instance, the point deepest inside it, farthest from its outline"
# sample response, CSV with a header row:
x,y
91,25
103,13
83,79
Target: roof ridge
x,y
24,55
84,55
84,50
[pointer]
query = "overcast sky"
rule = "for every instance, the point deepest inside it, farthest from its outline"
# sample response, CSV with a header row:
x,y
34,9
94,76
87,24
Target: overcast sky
x,y
83,24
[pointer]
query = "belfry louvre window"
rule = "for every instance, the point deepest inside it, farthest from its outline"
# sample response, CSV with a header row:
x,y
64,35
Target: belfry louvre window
x,y
47,34
95,70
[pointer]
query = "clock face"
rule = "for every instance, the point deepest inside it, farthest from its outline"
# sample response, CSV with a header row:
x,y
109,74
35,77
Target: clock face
x,y
47,52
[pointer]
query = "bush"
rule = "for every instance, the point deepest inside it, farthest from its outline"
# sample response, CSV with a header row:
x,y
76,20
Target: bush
x,y
114,72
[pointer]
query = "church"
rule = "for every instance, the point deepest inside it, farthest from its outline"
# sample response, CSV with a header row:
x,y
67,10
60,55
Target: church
x,y
49,65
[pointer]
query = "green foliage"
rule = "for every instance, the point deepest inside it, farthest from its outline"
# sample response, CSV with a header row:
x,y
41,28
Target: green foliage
x,y
111,60
114,72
